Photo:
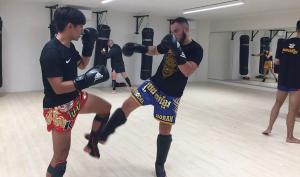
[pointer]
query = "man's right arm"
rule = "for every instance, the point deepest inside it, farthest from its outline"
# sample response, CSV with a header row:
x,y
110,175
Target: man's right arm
x,y
61,87
52,67
157,50
130,48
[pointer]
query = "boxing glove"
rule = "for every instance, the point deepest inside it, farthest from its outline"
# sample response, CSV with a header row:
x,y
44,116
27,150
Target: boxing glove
x,y
88,40
170,41
130,47
93,76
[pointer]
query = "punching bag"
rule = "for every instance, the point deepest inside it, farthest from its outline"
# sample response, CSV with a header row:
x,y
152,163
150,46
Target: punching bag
x,y
146,66
52,29
1,80
280,43
264,45
101,43
244,54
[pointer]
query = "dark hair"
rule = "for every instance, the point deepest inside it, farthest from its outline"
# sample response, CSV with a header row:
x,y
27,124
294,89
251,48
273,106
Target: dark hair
x,y
298,25
65,15
180,20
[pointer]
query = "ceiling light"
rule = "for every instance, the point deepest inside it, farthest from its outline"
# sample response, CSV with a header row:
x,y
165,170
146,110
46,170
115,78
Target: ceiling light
x,y
214,6
106,1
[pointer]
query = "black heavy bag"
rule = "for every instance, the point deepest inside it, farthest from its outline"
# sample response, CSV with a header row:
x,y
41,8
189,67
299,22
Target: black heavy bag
x,y
280,43
244,54
52,29
264,45
101,43
146,66
1,80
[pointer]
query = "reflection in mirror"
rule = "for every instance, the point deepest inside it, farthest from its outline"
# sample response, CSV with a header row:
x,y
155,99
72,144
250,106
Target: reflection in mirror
x,y
247,57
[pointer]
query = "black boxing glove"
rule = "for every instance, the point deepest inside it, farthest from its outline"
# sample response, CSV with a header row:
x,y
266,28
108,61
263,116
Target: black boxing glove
x,y
162,49
130,47
93,76
170,41
88,38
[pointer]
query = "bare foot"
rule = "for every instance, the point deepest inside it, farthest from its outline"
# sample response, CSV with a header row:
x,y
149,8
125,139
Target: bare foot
x,y
92,151
293,140
87,149
267,132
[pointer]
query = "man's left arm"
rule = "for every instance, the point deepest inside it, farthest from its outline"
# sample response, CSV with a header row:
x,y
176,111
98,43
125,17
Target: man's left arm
x,y
188,68
186,65
192,63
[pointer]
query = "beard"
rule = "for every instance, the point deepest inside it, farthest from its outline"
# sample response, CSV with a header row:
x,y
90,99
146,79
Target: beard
x,y
183,38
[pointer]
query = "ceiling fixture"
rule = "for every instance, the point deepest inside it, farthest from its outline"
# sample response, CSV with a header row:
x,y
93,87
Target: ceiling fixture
x,y
106,1
221,5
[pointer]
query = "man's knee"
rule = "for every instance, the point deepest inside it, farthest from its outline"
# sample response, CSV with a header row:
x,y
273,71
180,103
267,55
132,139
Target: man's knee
x,y
128,106
165,129
62,155
279,103
104,109
107,109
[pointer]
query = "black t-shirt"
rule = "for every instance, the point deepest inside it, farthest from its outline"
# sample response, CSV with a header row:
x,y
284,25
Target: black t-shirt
x,y
290,63
115,54
168,77
58,60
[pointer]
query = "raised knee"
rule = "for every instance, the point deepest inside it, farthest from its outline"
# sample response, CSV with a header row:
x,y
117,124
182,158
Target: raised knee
x,y
105,110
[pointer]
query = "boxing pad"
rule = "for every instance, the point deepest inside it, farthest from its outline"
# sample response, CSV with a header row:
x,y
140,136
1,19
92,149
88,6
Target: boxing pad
x,y
244,54
280,44
1,80
264,45
146,65
101,43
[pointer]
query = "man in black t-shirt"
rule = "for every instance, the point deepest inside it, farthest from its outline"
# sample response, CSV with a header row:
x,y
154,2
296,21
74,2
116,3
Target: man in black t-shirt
x,y
117,63
288,84
182,56
64,98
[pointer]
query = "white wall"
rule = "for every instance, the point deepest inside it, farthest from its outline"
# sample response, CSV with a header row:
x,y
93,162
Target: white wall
x,y
279,19
201,35
24,32
219,56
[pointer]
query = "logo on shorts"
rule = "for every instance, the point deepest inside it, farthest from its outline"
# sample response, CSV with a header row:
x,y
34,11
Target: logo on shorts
x,y
98,76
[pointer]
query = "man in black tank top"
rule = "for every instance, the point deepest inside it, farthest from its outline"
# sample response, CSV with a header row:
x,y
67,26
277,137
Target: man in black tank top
x,y
268,64
181,59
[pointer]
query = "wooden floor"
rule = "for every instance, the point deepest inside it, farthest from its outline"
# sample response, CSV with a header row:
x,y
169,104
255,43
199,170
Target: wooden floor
x,y
218,134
